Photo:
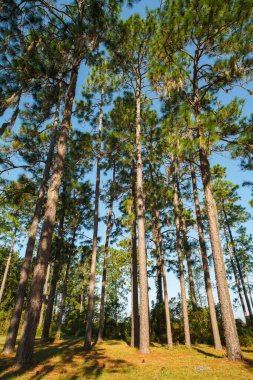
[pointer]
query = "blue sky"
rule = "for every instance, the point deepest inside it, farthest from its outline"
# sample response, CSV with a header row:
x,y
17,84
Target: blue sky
x,y
234,173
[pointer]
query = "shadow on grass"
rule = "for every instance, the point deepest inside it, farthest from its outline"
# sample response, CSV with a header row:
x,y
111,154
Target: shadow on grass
x,y
207,353
95,362
92,363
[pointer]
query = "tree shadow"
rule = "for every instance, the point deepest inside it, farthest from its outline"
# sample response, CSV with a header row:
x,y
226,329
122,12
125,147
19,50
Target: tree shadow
x,y
41,355
92,363
95,362
207,353
248,362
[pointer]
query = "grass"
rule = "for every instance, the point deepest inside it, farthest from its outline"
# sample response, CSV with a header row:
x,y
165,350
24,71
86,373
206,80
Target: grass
x,y
115,360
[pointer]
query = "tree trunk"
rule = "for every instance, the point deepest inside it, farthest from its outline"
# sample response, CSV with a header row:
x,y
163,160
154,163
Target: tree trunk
x,y
135,319
165,288
45,296
26,345
230,332
237,281
24,273
248,284
9,124
65,285
55,279
203,250
180,262
186,249
102,301
238,265
166,305
7,267
62,304
140,209
88,334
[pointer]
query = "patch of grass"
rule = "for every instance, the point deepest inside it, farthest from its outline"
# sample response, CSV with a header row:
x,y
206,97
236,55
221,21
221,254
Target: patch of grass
x,y
115,360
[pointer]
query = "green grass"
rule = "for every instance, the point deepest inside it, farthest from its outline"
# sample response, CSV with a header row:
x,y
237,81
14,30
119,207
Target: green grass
x,y
115,360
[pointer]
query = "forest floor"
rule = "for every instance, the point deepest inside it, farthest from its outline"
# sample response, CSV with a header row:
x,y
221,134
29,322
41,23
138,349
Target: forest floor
x,y
115,360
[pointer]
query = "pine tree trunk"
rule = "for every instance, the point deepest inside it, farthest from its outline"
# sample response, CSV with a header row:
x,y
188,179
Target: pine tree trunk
x,y
45,296
237,281
88,334
159,277
140,209
7,267
186,249
165,288
103,289
238,265
64,295
230,332
204,256
166,305
26,345
9,124
159,296
135,319
248,284
24,273
55,279
180,262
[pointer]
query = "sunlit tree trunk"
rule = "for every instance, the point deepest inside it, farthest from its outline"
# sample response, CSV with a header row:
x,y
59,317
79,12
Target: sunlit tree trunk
x,y
165,288
180,260
204,256
186,249
26,345
24,273
228,321
54,281
238,264
7,267
65,284
45,296
135,320
103,289
237,281
140,210
88,334
248,285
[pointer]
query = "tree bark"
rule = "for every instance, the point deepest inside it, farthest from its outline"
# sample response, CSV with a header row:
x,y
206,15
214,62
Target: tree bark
x,y
238,265
248,284
140,209
237,281
9,124
45,296
55,279
88,334
135,319
186,249
166,305
63,300
24,273
26,345
65,284
180,261
205,264
103,289
7,267
230,332
165,288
